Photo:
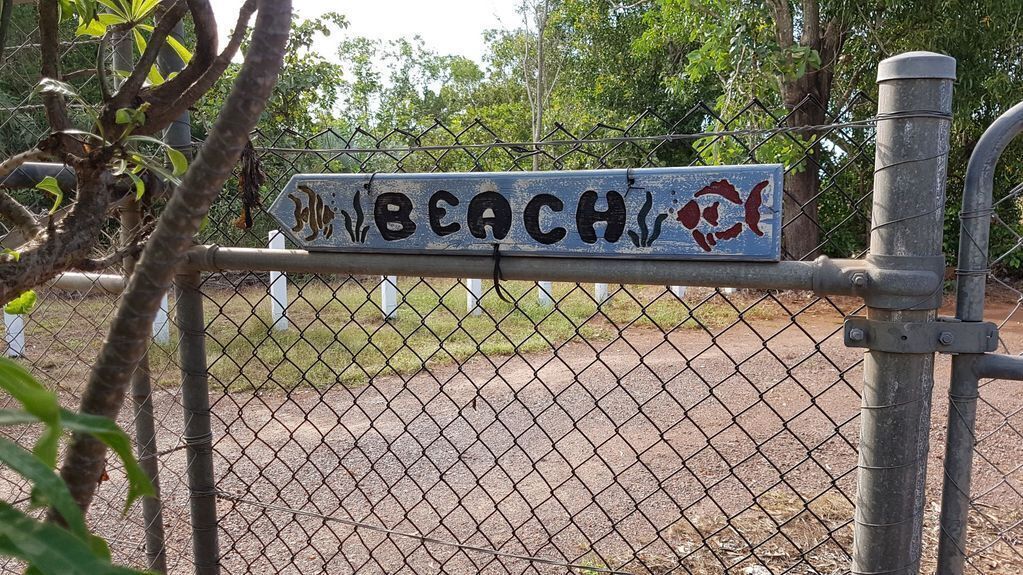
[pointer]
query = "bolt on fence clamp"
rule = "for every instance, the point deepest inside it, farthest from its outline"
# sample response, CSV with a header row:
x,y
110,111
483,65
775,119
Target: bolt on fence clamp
x,y
946,335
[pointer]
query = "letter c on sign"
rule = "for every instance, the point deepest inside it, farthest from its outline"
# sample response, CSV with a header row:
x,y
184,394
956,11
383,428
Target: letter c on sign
x,y
531,219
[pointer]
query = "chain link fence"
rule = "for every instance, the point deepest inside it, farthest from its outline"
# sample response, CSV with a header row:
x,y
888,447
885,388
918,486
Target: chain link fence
x,y
645,429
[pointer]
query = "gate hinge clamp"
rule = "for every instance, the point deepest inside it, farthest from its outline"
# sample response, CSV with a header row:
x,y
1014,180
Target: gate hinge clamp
x,y
946,335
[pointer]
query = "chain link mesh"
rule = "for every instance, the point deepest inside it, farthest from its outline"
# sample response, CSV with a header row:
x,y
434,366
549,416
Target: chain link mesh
x,y
651,430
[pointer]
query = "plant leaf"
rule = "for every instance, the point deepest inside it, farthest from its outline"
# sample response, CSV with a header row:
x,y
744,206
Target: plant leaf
x,y
16,417
116,439
50,184
178,161
140,186
22,304
179,49
48,548
37,400
49,488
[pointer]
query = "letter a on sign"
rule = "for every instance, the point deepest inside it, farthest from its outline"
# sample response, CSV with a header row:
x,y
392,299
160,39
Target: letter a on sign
x,y
722,212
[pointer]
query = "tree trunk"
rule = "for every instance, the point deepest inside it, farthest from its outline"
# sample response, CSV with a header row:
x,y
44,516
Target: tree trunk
x,y
801,234
129,333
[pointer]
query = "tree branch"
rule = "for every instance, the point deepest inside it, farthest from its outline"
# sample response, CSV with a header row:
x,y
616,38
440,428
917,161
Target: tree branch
x,y
12,210
171,99
129,332
131,249
131,86
782,23
49,48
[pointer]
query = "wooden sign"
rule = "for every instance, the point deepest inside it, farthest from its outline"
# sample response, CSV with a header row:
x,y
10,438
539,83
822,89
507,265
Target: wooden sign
x,y
721,212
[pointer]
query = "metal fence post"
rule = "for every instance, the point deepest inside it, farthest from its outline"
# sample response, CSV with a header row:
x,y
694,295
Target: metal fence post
x,y
195,400
914,108
599,293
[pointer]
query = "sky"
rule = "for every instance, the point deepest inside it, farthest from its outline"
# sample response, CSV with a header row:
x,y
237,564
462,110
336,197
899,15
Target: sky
x,y
446,26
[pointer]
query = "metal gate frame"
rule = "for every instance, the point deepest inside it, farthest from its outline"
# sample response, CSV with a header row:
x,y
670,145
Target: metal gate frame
x,y
901,282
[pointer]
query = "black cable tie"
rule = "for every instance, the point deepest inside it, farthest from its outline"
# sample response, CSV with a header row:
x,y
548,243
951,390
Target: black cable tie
x,y
498,275
368,186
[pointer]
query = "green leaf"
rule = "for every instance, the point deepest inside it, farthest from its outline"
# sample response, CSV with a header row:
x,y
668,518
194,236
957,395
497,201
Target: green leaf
x,y
37,400
22,304
48,548
178,161
179,49
15,254
142,8
16,417
123,116
92,27
52,86
140,186
49,488
116,439
50,184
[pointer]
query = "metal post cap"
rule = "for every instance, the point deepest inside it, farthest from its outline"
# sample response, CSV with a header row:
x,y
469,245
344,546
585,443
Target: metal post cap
x,y
917,65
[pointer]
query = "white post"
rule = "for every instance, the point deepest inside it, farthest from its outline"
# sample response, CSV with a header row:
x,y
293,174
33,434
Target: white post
x,y
389,296
161,325
679,291
545,294
473,295
599,293
278,289
15,334
728,291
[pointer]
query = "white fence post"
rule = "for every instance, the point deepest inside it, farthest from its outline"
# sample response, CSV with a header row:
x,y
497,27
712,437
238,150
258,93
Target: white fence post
x,y
545,294
161,324
599,293
278,289
473,295
14,334
679,291
389,296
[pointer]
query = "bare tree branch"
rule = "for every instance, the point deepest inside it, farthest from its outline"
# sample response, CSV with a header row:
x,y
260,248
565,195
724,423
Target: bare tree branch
x,y
180,220
131,86
171,99
49,48
131,249
12,210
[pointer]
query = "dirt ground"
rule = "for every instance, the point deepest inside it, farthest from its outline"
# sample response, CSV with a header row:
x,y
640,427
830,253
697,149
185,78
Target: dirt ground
x,y
696,451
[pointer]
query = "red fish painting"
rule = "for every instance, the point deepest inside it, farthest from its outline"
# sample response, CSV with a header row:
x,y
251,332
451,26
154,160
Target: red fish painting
x,y
701,215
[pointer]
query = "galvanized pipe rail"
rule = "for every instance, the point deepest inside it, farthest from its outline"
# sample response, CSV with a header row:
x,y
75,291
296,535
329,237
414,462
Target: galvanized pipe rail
x,y
823,276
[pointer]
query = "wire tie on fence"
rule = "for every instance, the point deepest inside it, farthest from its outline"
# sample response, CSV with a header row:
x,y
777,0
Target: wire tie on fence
x,y
197,440
630,182
368,186
913,114
499,275
974,273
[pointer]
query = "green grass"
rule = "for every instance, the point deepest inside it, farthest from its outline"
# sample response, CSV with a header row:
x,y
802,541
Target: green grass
x,y
338,334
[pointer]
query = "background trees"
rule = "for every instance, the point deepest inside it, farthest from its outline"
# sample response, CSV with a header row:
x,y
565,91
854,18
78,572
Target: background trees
x,y
609,62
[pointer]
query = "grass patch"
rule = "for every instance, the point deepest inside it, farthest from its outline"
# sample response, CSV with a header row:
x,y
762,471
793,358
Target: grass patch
x,y
339,335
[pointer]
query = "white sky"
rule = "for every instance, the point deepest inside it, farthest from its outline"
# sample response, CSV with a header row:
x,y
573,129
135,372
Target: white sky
x,y
446,26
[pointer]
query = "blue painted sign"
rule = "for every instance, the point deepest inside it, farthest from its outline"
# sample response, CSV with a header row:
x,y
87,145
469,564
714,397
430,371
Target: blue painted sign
x,y
721,212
